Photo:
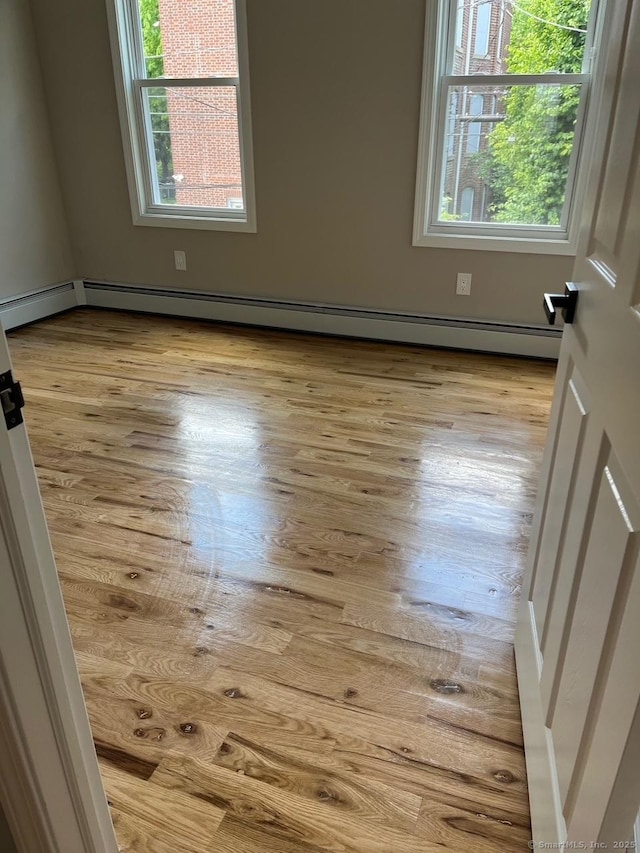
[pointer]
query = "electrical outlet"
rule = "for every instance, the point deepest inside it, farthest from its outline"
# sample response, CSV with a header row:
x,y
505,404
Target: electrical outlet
x,y
463,286
181,260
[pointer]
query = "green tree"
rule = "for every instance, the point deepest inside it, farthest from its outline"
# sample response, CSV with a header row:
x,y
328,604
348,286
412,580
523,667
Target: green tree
x,y
154,61
528,155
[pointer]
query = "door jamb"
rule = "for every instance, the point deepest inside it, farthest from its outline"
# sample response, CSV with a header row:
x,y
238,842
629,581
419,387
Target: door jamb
x,y
50,785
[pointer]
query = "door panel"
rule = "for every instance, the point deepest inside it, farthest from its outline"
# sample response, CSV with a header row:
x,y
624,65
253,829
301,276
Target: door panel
x,y
611,715
568,565
608,535
573,420
578,638
609,773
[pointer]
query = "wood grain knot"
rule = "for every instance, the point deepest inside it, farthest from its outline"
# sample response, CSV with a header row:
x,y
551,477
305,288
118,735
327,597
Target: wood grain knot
x,y
350,693
156,734
144,713
327,795
133,575
196,611
443,685
201,651
188,728
504,776
234,693
121,602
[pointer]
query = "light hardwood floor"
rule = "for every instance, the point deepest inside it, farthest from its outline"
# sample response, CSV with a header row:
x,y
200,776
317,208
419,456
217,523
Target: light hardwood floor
x,y
291,566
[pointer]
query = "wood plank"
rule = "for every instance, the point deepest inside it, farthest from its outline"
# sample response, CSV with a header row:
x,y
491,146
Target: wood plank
x,y
432,742
323,823
300,774
150,819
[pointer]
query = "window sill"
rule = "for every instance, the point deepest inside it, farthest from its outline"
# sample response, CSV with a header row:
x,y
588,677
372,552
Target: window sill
x,y
199,223
524,245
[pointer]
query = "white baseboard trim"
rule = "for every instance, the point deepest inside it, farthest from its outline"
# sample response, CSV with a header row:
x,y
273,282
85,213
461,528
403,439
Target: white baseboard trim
x,y
547,822
38,304
532,341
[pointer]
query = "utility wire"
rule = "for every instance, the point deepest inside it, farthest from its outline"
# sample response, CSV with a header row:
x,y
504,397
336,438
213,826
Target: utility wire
x,y
543,21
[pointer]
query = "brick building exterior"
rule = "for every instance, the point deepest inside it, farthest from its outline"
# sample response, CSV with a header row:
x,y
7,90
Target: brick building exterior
x,y
483,29
199,40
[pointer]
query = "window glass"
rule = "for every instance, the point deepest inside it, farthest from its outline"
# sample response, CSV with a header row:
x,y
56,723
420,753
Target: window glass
x,y
196,145
453,120
189,38
466,204
519,155
483,20
524,37
459,23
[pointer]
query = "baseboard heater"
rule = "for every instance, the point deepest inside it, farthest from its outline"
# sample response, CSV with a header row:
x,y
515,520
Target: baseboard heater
x,y
505,338
38,304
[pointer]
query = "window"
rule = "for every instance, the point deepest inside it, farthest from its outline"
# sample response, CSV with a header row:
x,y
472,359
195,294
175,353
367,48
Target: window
x,y
182,74
483,21
459,23
451,135
475,127
523,69
466,204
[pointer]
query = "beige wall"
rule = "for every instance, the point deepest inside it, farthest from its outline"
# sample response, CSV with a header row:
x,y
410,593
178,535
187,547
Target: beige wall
x,y
336,92
34,243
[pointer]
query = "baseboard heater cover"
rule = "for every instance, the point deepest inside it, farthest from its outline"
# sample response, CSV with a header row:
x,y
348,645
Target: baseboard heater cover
x,y
36,305
508,339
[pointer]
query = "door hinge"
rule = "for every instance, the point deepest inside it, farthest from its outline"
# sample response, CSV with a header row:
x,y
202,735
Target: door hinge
x,y
12,400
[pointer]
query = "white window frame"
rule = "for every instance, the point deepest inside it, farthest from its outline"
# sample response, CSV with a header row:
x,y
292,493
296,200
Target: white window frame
x,y
128,59
429,232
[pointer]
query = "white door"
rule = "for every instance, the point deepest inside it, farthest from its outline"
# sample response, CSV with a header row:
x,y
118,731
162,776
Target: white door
x,y
50,786
578,639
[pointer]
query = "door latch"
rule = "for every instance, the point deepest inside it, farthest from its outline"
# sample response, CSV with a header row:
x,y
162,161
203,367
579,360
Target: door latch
x,y
567,301
12,400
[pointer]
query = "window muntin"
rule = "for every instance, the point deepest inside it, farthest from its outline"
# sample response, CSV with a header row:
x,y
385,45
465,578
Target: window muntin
x,y
184,70
533,83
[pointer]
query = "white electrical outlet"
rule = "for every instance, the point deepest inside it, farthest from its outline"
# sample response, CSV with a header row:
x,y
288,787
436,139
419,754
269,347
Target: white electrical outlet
x,y
181,260
463,286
